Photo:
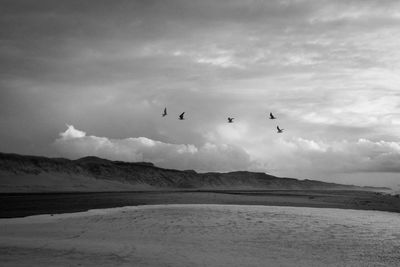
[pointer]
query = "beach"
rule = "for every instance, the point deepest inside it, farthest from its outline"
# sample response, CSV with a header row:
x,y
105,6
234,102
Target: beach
x,y
25,204
203,235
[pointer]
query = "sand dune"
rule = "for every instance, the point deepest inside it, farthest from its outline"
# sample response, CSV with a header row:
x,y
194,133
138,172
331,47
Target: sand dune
x,y
203,235
25,174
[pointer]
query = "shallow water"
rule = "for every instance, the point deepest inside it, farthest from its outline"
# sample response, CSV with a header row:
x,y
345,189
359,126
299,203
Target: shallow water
x,y
204,235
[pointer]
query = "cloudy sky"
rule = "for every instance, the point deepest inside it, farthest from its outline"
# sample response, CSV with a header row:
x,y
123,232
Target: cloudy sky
x,y
84,78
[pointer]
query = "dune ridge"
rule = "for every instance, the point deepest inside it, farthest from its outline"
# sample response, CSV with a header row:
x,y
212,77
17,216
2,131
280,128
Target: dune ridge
x,y
19,173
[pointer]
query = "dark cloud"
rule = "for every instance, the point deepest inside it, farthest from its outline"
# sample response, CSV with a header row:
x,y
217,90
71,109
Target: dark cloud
x,y
328,69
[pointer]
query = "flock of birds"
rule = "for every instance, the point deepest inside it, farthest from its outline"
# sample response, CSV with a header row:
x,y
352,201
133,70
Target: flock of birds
x,y
230,120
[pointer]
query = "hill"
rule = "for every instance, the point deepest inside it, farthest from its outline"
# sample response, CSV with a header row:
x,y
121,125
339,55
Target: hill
x,y
20,173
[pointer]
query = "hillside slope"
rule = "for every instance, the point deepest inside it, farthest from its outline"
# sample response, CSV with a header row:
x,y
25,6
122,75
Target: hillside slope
x,y
20,173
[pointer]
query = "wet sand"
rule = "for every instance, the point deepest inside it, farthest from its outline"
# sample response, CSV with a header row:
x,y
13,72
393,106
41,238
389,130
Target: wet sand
x,y
20,205
203,235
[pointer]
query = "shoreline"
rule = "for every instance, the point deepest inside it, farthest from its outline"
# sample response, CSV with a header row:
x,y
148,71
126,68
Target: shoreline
x,y
41,218
14,205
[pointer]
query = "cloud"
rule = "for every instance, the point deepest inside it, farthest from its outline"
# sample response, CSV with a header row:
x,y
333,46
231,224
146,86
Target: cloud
x,y
72,133
74,143
343,156
285,156
328,69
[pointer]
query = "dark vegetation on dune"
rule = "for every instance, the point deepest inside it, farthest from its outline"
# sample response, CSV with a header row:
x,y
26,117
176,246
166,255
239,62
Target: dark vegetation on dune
x,y
147,175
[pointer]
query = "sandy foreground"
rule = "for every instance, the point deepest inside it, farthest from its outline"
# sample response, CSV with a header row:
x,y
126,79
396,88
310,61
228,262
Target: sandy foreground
x,y
203,235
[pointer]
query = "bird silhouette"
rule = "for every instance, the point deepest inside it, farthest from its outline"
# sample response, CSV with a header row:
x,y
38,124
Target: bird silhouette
x,y
165,112
271,116
230,120
279,129
181,116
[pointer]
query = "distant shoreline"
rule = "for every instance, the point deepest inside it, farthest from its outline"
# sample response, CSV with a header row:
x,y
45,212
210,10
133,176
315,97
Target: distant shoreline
x,y
14,205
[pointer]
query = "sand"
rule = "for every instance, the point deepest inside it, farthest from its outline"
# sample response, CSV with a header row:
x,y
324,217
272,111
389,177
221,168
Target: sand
x,y
21,205
203,235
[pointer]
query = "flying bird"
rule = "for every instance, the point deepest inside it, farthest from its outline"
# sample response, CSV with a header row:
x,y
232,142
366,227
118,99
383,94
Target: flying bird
x,y
279,129
271,116
181,116
230,120
165,112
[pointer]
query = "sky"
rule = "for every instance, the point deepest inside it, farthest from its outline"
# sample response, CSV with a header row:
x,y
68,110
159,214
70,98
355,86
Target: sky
x,y
81,78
